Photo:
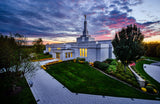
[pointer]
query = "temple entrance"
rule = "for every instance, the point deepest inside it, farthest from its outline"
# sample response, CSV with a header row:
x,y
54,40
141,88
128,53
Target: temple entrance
x,y
58,55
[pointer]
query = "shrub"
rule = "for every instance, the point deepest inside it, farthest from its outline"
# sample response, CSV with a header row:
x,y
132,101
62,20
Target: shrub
x,y
151,85
109,60
91,63
102,66
112,68
155,91
82,62
149,89
129,81
120,66
80,59
114,63
74,60
122,78
146,82
127,76
135,84
118,75
86,62
96,63
47,53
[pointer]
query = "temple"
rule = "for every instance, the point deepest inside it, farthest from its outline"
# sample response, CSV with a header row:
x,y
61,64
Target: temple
x,y
85,37
85,47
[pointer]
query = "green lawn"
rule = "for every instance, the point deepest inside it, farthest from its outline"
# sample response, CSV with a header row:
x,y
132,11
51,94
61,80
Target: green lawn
x,y
81,78
152,58
140,70
23,97
42,56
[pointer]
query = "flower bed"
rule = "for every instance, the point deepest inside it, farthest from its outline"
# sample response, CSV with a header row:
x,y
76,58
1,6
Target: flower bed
x,y
151,86
54,62
43,67
50,63
91,63
42,59
116,69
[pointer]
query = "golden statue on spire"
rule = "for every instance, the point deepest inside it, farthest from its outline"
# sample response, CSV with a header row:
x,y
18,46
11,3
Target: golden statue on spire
x,y
85,16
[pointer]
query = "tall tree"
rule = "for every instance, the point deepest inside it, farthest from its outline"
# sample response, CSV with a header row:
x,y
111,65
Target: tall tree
x,y
38,45
127,44
14,60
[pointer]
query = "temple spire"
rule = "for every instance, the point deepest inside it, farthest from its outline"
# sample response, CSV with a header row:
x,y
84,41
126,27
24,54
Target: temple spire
x,y
85,37
85,31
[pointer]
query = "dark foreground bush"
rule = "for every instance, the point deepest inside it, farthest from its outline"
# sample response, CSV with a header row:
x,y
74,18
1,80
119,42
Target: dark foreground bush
x,y
80,59
149,89
102,66
109,60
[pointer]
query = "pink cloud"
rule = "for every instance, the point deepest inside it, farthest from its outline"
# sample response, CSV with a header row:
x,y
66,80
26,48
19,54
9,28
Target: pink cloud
x,y
103,37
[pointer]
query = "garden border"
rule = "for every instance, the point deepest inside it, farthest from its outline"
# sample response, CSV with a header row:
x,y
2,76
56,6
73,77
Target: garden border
x,y
122,81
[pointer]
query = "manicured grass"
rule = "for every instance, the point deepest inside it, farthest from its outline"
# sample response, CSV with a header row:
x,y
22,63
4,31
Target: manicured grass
x,y
140,70
38,56
153,58
81,78
42,56
23,97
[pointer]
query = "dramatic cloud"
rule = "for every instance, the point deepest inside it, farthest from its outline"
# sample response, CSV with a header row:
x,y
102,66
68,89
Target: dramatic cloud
x,y
62,20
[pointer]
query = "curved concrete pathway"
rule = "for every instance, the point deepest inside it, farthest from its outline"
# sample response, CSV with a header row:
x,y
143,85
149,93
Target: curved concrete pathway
x,y
152,70
48,90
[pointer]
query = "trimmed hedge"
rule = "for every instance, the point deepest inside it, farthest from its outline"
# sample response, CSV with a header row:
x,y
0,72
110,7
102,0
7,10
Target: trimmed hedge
x,y
80,59
109,60
102,66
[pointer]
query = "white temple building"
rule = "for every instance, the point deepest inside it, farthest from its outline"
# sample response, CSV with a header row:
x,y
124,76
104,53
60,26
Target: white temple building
x,y
85,47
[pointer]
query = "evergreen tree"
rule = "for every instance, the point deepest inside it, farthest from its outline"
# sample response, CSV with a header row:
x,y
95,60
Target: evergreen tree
x,y
128,46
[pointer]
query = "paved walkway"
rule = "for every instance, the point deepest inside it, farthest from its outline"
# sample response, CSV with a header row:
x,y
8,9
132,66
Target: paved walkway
x,y
48,90
153,71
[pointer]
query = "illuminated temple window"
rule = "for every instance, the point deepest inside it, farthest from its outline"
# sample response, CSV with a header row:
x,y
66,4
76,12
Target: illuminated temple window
x,y
85,52
49,49
66,55
80,52
58,48
71,54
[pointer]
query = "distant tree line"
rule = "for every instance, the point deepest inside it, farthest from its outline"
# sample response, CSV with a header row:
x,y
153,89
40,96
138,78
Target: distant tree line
x,y
152,49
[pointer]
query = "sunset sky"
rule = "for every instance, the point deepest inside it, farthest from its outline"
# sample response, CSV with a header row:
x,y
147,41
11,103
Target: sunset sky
x,y
57,21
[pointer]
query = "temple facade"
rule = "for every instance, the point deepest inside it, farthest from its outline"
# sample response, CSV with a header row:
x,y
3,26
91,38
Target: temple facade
x,y
85,47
